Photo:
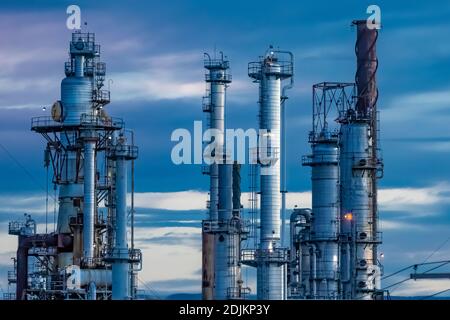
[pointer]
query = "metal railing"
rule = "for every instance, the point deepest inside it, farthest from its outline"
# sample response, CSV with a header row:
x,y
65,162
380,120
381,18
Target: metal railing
x,y
279,255
314,137
84,43
12,278
282,69
238,293
45,122
9,296
101,96
15,227
219,77
100,121
123,150
232,226
216,64
319,159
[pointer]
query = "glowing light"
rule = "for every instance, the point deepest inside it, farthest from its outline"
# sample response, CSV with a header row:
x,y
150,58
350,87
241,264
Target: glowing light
x,y
348,216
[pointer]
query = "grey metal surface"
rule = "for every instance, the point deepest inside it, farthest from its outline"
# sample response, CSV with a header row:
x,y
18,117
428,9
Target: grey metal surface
x,y
89,202
325,223
270,256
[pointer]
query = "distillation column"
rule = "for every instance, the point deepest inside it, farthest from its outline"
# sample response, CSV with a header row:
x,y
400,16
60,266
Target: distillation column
x,y
120,258
90,199
323,240
359,166
325,211
270,256
215,270
76,101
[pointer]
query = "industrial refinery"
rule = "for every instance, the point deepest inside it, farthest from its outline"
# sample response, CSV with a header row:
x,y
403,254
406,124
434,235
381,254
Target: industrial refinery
x,y
252,238
88,152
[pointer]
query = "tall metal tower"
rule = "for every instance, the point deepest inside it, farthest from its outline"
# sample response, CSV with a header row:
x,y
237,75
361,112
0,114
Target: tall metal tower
x,y
334,246
223,230
360,168
270,257
324,274
88,152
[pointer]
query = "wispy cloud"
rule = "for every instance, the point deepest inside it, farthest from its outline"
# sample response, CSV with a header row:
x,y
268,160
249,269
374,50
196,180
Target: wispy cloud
x,y
422,288
416,201
389,225
31,204
163,259
390,199
416,105
183,200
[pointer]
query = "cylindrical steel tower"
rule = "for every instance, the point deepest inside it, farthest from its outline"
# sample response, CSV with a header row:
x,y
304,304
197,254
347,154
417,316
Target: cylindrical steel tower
x,y
356,204
215,266
325,210
121,152
270,256
325,222
359,165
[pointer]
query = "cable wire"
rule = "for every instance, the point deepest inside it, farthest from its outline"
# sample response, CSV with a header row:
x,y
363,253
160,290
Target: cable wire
x,y
438,248
17,162
153,291
435,294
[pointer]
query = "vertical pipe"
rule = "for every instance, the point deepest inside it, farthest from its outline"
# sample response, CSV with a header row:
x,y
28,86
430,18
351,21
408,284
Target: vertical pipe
x,y
367,92
283,188
270,275
79,66
217,122
120,267
313,265
22,270
223,257
207,265
133,274
92,291
236,189
89,203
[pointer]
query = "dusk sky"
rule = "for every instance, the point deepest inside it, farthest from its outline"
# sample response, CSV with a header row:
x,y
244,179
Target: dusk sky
x,y
154,56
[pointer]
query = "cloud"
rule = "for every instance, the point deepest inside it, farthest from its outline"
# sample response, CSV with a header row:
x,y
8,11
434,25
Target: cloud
x,y
388,225
166,261
31,204
417,201
186,236
182,200
438,146
422,288
170,76
390,199
196,200
163,76
416,105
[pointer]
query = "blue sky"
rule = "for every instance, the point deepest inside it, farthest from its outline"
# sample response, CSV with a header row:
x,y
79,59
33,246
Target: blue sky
x,y
154,50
